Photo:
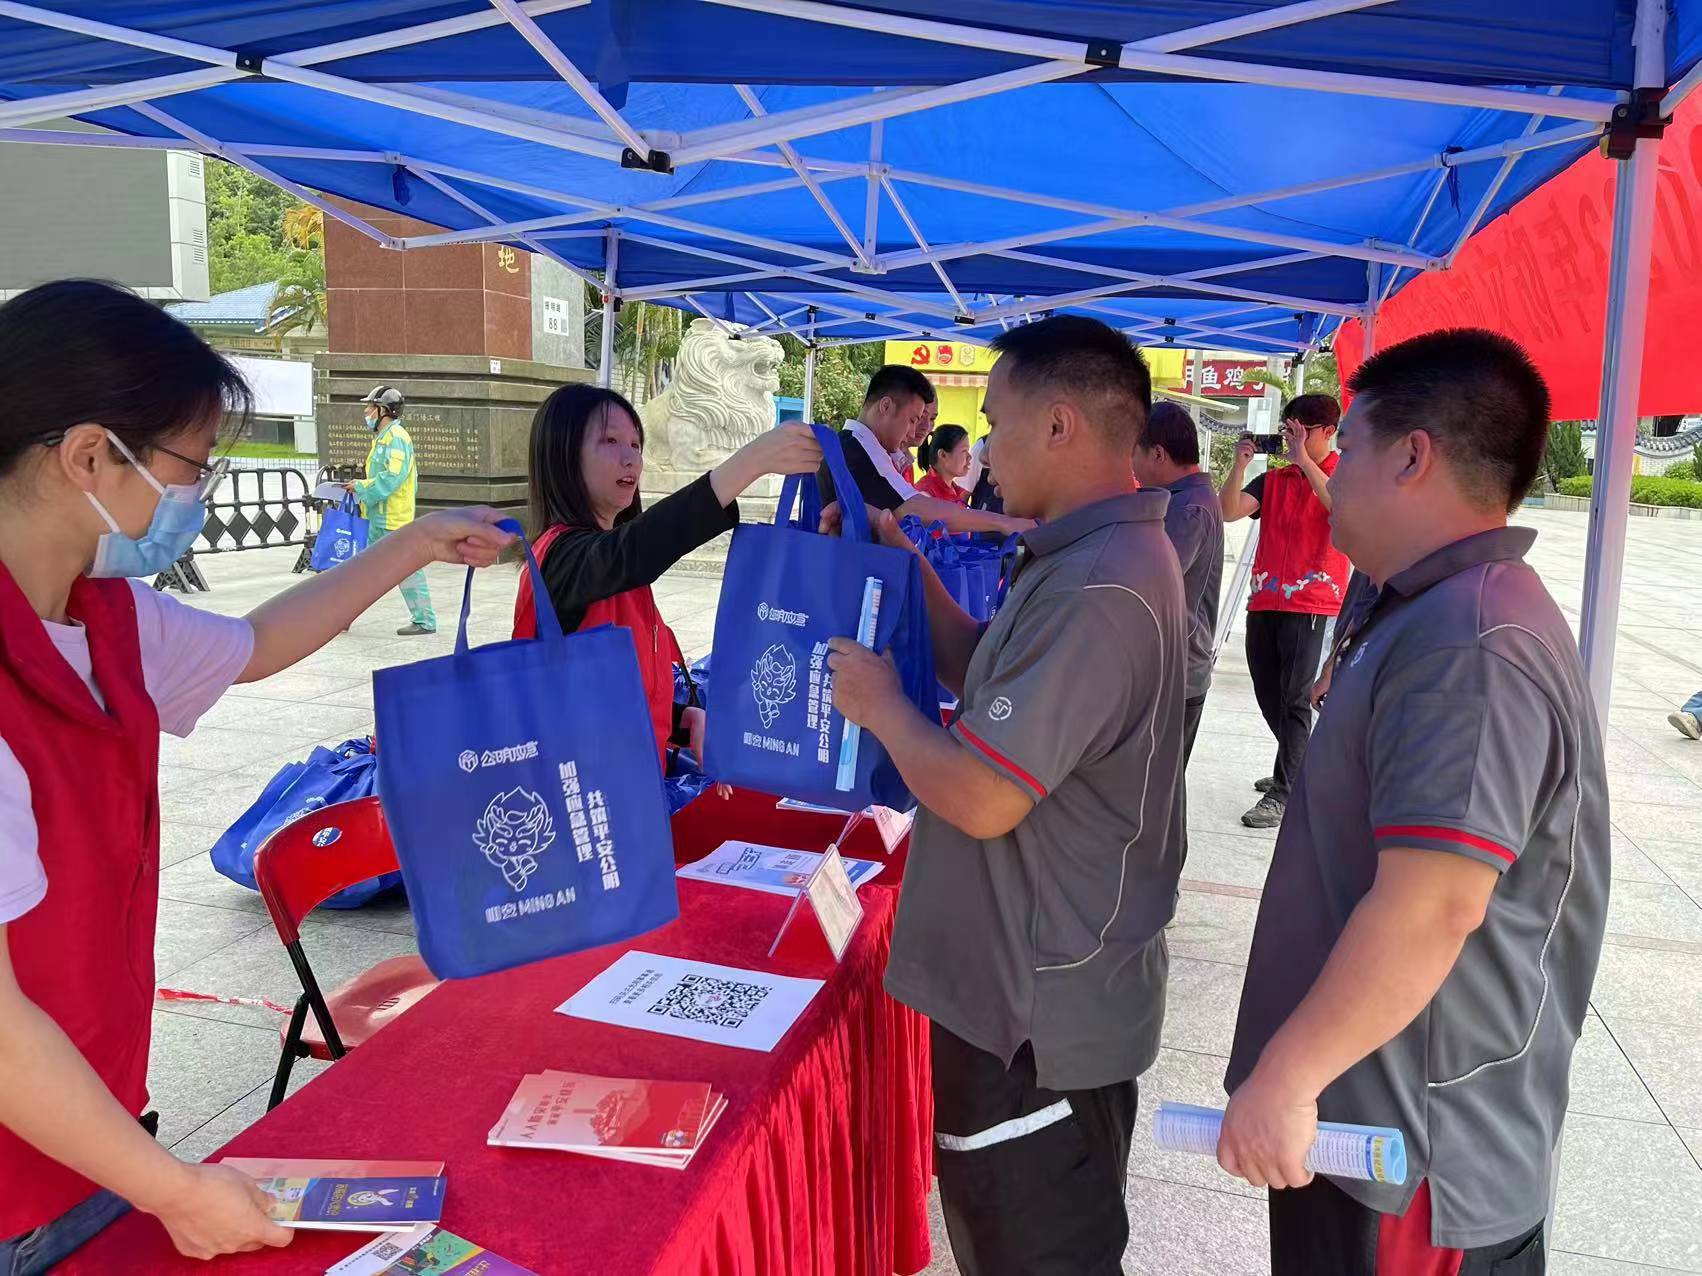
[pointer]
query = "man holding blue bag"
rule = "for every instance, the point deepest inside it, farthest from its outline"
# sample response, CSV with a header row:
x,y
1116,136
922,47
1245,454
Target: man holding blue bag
x,y
1045,858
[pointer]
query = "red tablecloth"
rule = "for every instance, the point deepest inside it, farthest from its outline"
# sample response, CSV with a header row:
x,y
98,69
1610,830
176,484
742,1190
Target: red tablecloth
x,y
820,1165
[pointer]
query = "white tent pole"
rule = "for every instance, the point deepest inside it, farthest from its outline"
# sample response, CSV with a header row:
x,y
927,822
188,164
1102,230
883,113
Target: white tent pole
x,y
306,196
922,243
1368,324
606,349
31,110
477,209
1138,56
872,196
563,66
1627,322
1494,189
791,156
810,370
1531,140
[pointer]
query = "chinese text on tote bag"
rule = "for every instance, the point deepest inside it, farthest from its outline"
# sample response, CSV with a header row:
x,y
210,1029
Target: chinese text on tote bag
x,y
521,784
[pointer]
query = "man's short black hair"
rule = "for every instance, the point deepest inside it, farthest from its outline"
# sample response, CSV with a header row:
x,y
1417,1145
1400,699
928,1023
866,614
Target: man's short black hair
x,y
1091,362
900,383
1169,426
1479,397
1314,410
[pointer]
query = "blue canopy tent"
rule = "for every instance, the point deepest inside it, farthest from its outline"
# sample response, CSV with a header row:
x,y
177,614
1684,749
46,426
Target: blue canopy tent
x,y
1183,168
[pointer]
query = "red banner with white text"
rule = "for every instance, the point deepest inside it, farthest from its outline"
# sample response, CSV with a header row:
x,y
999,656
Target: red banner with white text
x,y
1539,274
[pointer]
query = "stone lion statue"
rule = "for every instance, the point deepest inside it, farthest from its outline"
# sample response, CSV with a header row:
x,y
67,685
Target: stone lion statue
x,y
721,397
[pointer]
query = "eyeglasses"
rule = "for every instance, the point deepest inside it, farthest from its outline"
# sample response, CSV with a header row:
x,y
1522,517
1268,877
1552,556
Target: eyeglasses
x,y
208,473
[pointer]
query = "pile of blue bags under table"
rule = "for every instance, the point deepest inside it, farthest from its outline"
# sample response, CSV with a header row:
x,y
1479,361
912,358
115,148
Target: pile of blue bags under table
x,y
325,777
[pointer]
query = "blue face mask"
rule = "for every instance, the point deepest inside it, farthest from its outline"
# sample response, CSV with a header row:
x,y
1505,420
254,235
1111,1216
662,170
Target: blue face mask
x,y
176,522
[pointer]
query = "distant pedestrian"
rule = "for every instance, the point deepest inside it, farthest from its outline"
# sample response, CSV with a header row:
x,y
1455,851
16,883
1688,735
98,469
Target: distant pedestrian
x,y
387,495
1298,582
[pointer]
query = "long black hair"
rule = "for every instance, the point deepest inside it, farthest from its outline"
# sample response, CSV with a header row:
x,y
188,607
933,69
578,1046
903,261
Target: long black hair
x,y
556,492
942,440
80,352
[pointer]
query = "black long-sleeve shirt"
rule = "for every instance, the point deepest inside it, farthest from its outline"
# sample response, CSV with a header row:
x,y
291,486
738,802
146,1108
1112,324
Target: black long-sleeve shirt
x,y
584,566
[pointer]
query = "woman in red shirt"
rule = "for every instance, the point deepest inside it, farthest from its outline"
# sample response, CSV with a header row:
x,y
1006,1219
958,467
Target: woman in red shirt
x,y
944,458
600,550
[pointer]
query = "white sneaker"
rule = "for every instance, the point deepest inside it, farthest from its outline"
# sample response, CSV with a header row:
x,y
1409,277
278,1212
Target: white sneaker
x,y
1686,724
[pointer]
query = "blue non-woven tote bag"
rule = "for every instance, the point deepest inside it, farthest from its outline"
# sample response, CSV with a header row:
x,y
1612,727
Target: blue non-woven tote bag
x,y
523,790
787,591
327,777
342,535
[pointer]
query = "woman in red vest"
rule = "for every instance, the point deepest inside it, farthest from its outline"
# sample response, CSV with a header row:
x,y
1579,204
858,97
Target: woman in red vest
x,y
600,550
109,414
944,458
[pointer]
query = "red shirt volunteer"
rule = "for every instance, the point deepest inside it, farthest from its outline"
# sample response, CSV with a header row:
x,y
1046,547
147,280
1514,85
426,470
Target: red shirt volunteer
x,y
634,609
1296,569
942,489
102,857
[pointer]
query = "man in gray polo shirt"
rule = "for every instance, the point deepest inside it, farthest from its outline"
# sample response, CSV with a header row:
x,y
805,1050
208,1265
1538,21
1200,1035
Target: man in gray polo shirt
x,y
1168,456
1434,912
1046,854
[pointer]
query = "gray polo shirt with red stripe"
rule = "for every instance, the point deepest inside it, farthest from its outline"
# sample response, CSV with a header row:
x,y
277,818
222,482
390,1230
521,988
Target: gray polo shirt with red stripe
x,y
1458,721
1054,933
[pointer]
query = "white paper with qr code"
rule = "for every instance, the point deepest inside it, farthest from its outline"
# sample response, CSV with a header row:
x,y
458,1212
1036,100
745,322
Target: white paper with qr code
x,y
724,1005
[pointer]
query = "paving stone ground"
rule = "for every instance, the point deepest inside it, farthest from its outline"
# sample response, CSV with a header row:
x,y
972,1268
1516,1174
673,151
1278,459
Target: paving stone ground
x,y
1631,1187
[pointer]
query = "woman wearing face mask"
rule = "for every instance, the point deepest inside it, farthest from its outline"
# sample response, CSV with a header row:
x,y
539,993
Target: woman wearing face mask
x,y
109,411
600,551
944,459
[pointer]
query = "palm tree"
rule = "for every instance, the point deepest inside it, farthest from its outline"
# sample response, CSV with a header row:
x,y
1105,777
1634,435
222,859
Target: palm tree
x,y
300,304
647,338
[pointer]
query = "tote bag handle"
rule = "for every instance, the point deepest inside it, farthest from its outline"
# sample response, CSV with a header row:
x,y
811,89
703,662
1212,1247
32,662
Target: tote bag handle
x,y
548,626
855,518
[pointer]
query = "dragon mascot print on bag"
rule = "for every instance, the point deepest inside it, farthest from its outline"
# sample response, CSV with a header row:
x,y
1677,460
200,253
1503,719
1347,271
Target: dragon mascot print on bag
x,y
524,792
786,591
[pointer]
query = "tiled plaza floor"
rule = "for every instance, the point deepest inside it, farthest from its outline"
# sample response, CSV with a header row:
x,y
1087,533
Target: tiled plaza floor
x,y
1631,1189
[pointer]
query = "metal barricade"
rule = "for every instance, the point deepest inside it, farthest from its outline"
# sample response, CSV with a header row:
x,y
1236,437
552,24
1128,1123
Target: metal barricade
x,y
249,509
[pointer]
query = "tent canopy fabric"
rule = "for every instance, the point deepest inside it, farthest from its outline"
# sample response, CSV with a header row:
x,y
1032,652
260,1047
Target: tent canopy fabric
x,y
802,157
1540,275
1584,43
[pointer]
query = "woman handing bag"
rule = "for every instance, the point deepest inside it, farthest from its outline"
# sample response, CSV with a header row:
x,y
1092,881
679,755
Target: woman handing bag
x,y
600,550
109,412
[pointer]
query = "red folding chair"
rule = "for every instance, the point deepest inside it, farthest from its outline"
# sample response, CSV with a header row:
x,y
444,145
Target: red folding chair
x,y
301,866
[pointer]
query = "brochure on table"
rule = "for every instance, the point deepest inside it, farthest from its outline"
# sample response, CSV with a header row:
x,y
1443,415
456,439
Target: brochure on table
x,y
425,1249
723,1005
834,900
617,1118
359,1196
772,869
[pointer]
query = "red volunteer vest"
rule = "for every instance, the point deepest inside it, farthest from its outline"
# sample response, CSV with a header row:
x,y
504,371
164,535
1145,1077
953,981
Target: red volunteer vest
x,y
1296,568
635,610
85,954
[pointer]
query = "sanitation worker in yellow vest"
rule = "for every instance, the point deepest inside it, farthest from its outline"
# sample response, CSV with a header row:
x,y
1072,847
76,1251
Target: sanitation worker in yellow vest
x,y
387,495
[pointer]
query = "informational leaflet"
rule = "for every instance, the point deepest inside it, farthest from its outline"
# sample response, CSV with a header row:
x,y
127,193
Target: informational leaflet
x,y
425,1249
771,869
724,1005
361,1196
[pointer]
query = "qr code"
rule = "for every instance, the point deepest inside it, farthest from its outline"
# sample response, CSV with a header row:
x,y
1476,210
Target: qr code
x,y
705,999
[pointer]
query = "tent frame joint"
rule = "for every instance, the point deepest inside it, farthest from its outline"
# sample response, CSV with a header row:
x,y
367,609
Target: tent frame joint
x,y
1634,121
652,161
